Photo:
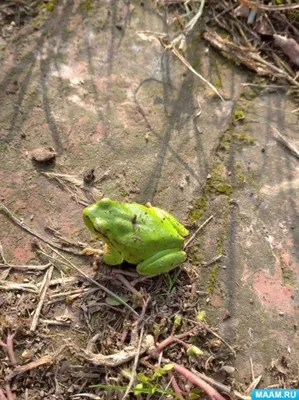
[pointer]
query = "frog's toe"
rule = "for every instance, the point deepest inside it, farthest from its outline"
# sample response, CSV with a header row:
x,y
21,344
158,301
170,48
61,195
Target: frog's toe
x,y
112,256
88,251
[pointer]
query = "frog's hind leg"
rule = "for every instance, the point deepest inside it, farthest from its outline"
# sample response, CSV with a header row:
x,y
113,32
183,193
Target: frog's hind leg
x,y
175,223
161,262
112,256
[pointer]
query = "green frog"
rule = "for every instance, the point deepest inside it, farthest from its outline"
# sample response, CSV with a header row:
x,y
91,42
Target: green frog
x,y
146,236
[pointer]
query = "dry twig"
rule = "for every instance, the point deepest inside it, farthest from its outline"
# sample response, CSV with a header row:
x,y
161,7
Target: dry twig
x,y
197,230
285,141
26,228
82,273
43,292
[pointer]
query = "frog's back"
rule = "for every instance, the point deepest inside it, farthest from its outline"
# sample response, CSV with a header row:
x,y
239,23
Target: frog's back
x,y
143,232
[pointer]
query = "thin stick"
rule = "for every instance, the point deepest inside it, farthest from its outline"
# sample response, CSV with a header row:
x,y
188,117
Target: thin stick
x,y
162,39
134,368
293,149
212,261
175,386
197,230
9,347
127,284
53,322
213,333
27,287
218,385
47,359
2,395
193,21
61,281
96,283
189,66
2,255
42,298
195,380
9,392
270,7
26,267
22,225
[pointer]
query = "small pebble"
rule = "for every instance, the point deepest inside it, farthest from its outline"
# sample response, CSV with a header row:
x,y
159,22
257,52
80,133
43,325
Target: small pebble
x,y
281,313
43,155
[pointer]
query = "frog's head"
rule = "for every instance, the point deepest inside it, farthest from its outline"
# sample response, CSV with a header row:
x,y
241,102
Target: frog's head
x,y
97,217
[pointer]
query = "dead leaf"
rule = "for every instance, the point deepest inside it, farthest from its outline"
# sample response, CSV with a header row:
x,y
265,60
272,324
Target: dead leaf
x,y
263,27
289,47
241,11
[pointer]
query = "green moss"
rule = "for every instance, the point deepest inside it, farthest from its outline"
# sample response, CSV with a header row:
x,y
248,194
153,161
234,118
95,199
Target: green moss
x,y
199,207
226,140
196,62
289,277
124,193
50,6
220,242
242,137
195,256
224,188
262,316
238,115
212,280
218,184
241,178
218,83
87,5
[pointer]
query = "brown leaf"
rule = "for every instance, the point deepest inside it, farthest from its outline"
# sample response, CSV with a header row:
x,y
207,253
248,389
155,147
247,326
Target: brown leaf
x,y
263,27
289,47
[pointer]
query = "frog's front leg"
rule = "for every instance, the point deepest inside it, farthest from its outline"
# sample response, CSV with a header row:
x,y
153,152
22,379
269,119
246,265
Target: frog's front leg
x,y
111,255
161,262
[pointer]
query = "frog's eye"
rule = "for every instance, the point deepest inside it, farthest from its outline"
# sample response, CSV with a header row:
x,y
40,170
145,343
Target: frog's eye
x,y
105,203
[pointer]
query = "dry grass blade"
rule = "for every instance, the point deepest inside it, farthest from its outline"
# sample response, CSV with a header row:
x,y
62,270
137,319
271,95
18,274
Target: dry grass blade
x,y
253,384
61,281
43,292
197,230
193,21
163,39
269,7
133,372
72,184
25,267
26,287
